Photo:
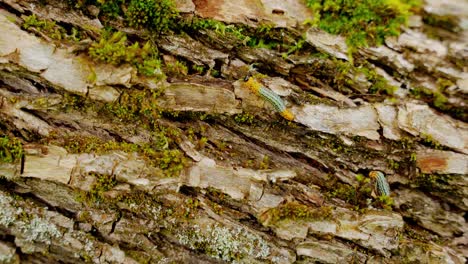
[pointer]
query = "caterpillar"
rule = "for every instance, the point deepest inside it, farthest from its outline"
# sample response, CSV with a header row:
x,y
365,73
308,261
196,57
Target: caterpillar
x,y
381,184
269,96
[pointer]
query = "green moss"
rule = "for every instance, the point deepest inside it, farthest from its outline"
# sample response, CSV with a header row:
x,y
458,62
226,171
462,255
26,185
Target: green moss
x,y
156,15
393,164
343,76
265,163
440,185
170,160
115,49
358,195
111,8
218,26
137,105
188,115
73,102
295,48
11,149
102,184
202,143
405,143
49,28
381,86
83,144
177,69
385,202
363,23
431,142
198,68
79,3
420,92
107,8
447,22
438,100
333,143
218,209
432,182
263,36
188,209
296,211
244,118
443,84
216,194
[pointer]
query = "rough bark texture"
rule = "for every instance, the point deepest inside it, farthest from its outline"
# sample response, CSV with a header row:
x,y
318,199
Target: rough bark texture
x,y
118,167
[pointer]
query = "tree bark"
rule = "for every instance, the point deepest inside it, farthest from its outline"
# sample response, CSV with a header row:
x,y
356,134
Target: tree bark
x,y
100,163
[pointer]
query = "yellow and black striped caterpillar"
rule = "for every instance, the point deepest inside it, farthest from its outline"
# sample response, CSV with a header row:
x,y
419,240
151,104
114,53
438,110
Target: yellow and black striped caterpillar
x,y
381,184
269,96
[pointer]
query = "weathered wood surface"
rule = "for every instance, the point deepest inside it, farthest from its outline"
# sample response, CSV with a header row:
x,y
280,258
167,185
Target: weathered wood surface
x,y
219,176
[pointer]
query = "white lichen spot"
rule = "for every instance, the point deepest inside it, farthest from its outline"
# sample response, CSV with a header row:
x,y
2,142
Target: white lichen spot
x,y
156,211
7,212
6,258
39,230
89,246
7,253
164,261
132,206
34,230
225,243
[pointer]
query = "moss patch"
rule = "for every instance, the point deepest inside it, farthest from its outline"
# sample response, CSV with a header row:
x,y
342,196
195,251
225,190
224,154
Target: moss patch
x,y
355,195
359,195
296,211
114,48
45,26
345,77
433,182
438,100
136,106
102,184
363,23
447,22
11,149
244,118
51,29
177,69
154,15
170,160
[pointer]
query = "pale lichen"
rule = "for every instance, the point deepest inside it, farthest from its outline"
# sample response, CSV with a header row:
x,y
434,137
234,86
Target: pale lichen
x,y
225,243
7,254
7,215
40,230
33,229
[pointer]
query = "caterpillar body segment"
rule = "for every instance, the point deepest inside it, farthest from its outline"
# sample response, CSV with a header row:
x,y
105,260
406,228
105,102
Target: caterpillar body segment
x,y
381,185
270,96
253,85
273,98
288,115
276,102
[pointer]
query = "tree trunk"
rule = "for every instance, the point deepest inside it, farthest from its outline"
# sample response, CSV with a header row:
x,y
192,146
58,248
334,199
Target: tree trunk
x,y
109,157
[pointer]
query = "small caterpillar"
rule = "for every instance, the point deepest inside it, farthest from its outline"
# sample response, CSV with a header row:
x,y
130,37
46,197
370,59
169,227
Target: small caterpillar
x,y
270,96
381,184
